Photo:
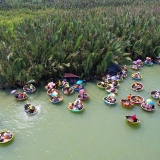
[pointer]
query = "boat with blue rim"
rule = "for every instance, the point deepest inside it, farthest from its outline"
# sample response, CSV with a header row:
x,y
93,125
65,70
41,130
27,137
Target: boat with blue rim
x,y
110,101
29,88
56,99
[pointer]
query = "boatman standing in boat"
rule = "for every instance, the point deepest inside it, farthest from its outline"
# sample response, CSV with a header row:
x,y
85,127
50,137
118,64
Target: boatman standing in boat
x,y
129,97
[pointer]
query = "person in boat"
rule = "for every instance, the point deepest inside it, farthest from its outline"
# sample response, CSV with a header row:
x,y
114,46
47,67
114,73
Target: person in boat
x,y
123,72
129,97
26,106
1,138
24,94
71,105
137,99
148,60
52,92
70,90
66,85
31,108
84,95
127,103
59,83
78,86
77,101
7,135
108,77
102,84
20,95
65,90
112,89
157,60
139,86
64,82
143,104
113,100
134,118
118,76
79,106
51,85
135,66
138,75
148,106
109,99
55,99
135,86
125,67
31,87
153,106
157,95
114,83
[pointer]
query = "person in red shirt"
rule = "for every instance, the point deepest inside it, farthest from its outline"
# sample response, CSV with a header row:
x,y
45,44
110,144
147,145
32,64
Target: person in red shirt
x,y
134,118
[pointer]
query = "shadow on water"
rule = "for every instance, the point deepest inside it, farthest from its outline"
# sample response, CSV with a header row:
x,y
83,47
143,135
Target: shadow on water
x,y
133,126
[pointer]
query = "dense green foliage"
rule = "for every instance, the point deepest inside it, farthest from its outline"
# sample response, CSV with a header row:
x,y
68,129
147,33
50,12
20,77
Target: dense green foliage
x,y
49,41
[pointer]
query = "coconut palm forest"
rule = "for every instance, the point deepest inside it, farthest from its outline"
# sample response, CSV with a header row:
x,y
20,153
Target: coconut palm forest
x,y
44,39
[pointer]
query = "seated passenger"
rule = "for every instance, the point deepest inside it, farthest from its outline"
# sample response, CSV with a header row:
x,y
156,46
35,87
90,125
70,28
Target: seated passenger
x,y
56,99
113,100
109,99
134,118
138,75
1,138
143,104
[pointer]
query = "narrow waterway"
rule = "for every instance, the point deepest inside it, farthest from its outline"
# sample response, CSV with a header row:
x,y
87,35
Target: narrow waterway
x,y
100,132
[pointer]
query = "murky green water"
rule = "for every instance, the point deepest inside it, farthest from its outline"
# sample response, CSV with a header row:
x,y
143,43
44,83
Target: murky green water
x,y
99,133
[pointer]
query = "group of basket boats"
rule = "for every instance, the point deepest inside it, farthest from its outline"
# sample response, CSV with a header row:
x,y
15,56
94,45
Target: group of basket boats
x,y
67,89
55,97
109,84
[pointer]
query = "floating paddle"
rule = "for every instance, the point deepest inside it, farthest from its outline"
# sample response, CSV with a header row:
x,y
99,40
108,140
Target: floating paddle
x,y
13,91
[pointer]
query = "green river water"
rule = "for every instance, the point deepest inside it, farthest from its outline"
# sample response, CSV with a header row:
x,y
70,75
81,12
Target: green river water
x,y
100,132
